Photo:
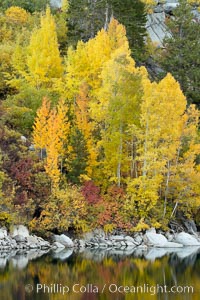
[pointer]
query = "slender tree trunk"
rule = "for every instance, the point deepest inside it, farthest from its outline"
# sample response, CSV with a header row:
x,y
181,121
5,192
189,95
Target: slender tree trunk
x,y
119,159
106,17
166,188
132,157
145,147
174,210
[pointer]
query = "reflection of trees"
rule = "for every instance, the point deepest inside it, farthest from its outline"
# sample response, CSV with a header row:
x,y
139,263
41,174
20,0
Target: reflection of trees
x,y
129,271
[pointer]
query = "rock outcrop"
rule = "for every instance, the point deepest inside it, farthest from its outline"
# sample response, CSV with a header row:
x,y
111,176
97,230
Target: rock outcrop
x,y
187,239
19,238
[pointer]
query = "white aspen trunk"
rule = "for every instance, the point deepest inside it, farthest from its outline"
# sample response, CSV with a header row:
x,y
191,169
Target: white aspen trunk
x,y
119,160
174,210
144,173
106,17
166,188
132,157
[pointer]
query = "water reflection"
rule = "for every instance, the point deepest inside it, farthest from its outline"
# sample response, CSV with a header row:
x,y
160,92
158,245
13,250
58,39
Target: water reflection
x,y
88,272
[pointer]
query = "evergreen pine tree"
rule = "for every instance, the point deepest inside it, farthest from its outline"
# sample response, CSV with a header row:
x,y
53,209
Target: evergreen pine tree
x,y
181,56
97,14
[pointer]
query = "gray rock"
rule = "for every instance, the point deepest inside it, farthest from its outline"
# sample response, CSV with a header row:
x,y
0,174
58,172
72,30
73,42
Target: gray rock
x,y
56,3
19,230
169,236
130,244
34,246
130,239
138,238
186,239
57,245
103,245
123,244
23,139
64,240
117,238
155,240
32,239
81,244
44,245
191,226
117,245
88,236
3,233
158,9
20,238
99,233
172,245
170,6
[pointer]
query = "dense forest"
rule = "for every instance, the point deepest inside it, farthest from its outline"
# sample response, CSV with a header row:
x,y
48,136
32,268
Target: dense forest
x,y
88,137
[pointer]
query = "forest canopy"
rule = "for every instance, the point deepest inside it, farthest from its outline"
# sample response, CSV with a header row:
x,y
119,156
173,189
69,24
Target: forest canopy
x,y
87,137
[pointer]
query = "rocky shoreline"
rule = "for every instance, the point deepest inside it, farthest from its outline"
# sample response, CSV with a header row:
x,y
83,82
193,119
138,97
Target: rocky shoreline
x,y
20,247
19,238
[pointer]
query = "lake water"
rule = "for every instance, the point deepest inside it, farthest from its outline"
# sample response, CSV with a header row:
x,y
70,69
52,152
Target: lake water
x,y
90,275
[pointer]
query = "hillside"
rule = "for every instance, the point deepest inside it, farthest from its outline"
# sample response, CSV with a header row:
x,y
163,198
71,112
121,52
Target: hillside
x,y
99,114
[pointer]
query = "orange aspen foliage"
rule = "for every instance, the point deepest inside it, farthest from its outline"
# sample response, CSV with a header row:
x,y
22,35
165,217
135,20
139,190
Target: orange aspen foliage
x,y
84,123
50,132
40,130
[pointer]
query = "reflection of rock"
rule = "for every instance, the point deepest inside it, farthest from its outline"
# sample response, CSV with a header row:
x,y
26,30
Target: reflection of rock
x,y
20,258
94,254
19,261
63,254
172,245
3,262
154,253
186,239
57,245
188,252
33,254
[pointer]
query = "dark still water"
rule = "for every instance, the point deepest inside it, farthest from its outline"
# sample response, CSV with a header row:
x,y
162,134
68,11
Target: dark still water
x,y
105,275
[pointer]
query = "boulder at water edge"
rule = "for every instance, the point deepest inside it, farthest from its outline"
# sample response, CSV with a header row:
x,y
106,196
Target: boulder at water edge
x,y
186,239
19,230
64,240
159,240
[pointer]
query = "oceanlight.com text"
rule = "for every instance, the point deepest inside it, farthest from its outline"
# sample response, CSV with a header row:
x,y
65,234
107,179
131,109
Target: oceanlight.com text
x,y
112,288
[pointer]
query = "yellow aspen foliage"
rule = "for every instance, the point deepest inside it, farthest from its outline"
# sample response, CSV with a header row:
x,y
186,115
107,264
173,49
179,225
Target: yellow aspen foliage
x,y
62,125
40,130
162,121
43,59
118,107
50,131
149,2
52,149
17,15
185,182
84,65
193,2
65,208
84,124
65,5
